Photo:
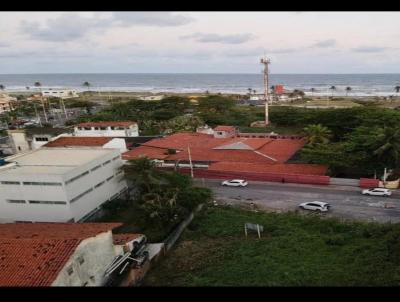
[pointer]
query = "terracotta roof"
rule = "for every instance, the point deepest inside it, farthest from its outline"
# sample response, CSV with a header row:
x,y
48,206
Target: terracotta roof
x,y
205,147
33,254
151,152
73,141
225,128
303,169
120,239
106,124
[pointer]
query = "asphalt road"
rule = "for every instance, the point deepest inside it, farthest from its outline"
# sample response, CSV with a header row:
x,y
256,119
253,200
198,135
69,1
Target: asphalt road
x,y
347,202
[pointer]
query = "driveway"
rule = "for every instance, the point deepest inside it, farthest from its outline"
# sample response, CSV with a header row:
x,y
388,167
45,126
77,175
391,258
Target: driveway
x,y
347,202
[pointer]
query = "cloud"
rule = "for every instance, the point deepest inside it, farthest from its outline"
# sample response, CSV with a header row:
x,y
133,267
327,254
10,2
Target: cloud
x,y
66,27
324,43
151,18
369,49
216,38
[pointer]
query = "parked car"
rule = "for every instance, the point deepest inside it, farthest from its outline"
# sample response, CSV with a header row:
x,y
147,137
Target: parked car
x,y
377,192
315,206
234,183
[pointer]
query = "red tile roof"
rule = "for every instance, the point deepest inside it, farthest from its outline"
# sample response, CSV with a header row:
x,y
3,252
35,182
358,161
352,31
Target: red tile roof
x,y
153,153
106,124
225,128
202,148
33,254
120,239
303,169
74,141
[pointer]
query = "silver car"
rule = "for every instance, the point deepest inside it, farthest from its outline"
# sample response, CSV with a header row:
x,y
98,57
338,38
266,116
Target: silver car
x,y
234,183
315,206
377,192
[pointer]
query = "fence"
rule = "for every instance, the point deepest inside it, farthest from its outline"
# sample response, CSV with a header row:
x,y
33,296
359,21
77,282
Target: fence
x,y
369,183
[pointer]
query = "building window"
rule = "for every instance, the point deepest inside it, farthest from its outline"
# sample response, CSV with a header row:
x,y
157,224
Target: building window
x,y
28,183
103,128
70,271
10,183
95,168
99,184
106,162
96,128
81,195
76,177
46,202
112,128
81,260
220,133
42,139
15,201
87,128
120,128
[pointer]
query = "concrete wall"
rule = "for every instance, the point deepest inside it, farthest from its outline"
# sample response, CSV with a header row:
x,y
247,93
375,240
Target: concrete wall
x,y
97,254
10,212
19,141
117,143
127,132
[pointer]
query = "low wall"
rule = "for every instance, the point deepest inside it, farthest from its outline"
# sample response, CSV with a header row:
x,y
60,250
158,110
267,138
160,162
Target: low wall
x,y
260,176
369,183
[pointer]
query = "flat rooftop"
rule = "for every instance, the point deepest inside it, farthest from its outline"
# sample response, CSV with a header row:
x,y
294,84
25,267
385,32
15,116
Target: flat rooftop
x,y
53,160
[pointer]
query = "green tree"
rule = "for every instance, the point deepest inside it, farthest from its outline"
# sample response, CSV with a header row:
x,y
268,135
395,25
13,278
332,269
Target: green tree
x,y
332,88
348,89
388,141
317,134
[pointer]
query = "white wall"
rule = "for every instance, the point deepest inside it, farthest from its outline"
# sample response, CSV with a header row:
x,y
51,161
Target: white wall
x,y
19,141
10,212
117,143
97,252
128,132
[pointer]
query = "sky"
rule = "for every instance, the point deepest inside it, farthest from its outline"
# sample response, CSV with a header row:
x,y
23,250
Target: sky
x,y
199,42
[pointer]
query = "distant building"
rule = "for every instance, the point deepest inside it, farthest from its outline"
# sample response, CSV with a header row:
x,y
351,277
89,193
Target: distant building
x,y
59,93
114,129
151,98
26,139
225,131
79,141
205,130
59,184
278,89
66,254
6,103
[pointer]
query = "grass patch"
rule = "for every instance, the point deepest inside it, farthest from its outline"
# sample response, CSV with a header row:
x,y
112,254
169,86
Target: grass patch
x,y
294,250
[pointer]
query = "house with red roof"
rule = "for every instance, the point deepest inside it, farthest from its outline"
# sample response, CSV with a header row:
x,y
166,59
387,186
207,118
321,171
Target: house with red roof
x,y
113,129
229,149
84,141
67,254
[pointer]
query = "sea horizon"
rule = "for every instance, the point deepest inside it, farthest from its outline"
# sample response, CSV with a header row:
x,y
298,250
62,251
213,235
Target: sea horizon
x,y
361,84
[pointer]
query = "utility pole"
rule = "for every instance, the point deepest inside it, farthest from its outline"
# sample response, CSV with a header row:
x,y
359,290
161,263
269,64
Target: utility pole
x,y
37,115
190,161
265,61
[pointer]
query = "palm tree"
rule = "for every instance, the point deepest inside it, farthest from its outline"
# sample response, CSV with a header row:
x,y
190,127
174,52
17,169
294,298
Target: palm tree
x,y
348,89
254,91
2,87
312,91
39,85
317,134
333,88
388,149
397,88
250,90
86,84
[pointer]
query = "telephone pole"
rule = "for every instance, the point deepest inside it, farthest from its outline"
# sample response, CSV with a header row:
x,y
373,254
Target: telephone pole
x,y
265,61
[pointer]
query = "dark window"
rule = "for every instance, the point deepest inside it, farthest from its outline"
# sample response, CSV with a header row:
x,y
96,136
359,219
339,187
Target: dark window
x,y
70,271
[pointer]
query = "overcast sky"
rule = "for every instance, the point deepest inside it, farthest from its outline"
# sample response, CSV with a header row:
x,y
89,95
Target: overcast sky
x,y
206,42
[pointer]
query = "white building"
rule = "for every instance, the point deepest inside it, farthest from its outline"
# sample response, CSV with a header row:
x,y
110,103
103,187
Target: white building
x,y
114,129
27,139
83,141
65,254
59,184
59,93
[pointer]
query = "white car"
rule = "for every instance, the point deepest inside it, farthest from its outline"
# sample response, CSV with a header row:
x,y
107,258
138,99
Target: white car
x,y
377,192
234,183
315,206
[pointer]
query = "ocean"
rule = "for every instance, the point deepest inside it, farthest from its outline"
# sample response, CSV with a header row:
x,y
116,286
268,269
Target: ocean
x,y
361,84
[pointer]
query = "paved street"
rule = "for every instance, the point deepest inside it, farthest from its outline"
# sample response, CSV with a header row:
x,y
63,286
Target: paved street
x,y
347,202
